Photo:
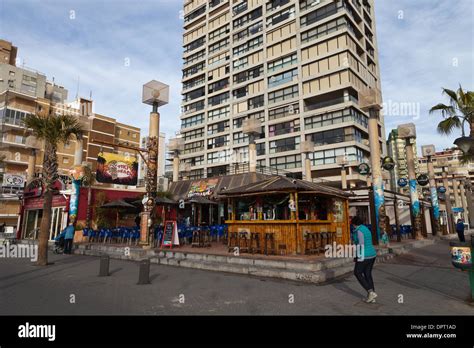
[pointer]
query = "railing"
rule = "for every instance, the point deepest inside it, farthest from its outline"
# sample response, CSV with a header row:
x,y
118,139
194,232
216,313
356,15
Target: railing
x,y
329,103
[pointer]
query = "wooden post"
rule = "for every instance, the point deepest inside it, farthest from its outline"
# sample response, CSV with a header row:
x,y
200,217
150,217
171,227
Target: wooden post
x,y
298,247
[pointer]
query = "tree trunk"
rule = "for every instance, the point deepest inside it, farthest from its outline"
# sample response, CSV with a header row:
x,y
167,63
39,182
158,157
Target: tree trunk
x,y
50,174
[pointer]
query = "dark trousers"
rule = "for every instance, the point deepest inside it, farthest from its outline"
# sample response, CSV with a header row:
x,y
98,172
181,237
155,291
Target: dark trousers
x,y
461,236
363,273
67,246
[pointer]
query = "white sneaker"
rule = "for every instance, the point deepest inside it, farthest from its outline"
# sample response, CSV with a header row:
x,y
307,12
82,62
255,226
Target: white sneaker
x,y
371,297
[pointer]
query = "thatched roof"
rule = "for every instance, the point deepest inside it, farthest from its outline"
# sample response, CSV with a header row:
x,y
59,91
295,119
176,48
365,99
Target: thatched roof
x,y
277,184
180,189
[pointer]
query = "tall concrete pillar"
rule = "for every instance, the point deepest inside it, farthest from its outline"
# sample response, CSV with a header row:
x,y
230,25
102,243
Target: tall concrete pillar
x,y
175,168
449,210
377,180
252,155
456,192
307,147
464,201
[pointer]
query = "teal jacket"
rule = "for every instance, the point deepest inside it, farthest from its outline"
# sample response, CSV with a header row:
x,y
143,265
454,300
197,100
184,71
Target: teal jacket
x,y
362,236
69,232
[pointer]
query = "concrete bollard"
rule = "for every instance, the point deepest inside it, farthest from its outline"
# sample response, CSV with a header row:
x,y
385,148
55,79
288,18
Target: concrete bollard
x,y
144,272
104,266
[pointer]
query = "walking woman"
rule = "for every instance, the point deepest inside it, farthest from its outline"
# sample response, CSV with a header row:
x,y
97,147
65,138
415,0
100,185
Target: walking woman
x,y
365,261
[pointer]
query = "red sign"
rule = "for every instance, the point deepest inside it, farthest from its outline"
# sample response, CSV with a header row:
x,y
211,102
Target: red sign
x,y
37,202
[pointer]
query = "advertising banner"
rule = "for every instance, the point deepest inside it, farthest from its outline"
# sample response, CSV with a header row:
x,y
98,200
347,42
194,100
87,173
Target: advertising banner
x,y
117,169
202,187
13,180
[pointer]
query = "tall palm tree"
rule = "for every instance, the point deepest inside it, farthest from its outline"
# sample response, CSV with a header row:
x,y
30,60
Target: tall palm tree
x,y
53,130
459,110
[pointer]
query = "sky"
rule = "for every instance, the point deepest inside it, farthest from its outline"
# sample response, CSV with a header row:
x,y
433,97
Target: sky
x,y
110,48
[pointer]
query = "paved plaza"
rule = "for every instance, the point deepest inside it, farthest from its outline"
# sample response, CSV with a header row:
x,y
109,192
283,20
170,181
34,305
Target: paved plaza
x,y
423,280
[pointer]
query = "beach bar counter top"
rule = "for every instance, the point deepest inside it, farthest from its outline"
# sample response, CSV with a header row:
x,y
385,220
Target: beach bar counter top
x,y
285,216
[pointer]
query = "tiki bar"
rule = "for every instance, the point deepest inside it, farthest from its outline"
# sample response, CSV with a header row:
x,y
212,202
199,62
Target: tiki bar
x,y
271,214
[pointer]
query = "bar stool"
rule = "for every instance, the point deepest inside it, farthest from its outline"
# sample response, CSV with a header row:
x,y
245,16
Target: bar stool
x,y
316,243
206,238
282,249
255,242
331,237
196,242
324,240
308,239
243,242
269,244
233,240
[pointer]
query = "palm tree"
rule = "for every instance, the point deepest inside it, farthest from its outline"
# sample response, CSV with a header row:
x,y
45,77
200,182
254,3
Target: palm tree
x,y
459,110
53,130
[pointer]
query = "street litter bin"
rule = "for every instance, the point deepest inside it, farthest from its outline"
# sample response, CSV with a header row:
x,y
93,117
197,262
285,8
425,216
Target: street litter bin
x,y
461,258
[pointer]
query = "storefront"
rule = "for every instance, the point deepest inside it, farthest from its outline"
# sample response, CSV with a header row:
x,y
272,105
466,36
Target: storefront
x,y
286,211
33,212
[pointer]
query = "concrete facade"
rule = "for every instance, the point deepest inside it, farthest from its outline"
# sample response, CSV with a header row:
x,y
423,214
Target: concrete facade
x,y
295,65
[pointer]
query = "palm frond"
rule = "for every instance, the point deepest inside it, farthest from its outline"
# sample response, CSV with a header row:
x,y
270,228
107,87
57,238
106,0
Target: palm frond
x,y
449,124
446,110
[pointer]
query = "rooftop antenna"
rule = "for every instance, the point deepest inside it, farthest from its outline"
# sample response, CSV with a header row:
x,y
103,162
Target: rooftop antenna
x,y
77,90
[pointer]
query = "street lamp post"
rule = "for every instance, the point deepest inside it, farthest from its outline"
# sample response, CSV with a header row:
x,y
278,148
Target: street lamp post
x,y
252,127
155,94
470,203
408,132
428,151
370,100
307,147
342,161
175,147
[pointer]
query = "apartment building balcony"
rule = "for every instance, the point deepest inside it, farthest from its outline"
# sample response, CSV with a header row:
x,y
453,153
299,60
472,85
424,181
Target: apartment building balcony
x,y
329,99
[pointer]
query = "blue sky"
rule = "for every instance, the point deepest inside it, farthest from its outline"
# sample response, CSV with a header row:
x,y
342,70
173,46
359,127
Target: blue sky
x,y
115,46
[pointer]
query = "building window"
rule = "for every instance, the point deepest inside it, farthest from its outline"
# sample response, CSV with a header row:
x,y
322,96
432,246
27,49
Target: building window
x,y
194,57
281,16
275,4
255,102
240,138
248,75
217,86
218,113
283,111
321,13
218,45
282,78
286,162
283,145
282,63
194,69
219,32
323,30
241,21
195,44
218,157
194,147
340,116
249,45
195,14
194,82
257,115
199,105
218,127
284,128
251,30
65,160
283,94
218,142
192,121
194,134
197,93
330,156
218,99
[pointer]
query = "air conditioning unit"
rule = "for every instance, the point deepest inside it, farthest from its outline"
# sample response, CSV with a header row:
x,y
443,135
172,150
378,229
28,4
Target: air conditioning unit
x,y
406,131
428,150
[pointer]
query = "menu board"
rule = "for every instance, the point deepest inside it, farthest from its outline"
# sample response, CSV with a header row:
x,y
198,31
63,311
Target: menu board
x,y
170,234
